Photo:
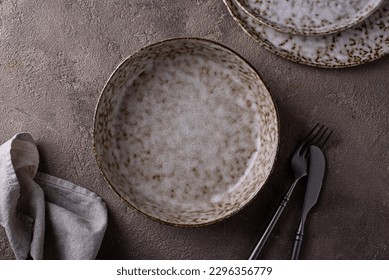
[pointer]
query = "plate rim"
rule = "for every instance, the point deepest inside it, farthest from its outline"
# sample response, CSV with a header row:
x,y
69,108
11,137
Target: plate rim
x,y
304,32
263,42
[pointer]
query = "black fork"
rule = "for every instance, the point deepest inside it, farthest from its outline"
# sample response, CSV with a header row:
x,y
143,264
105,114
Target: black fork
x,y
318,136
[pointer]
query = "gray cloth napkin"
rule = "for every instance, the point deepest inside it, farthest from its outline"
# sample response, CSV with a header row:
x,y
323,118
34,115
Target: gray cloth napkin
x,y
46,217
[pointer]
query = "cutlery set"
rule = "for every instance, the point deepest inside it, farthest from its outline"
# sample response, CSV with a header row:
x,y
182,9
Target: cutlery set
x,y
307,160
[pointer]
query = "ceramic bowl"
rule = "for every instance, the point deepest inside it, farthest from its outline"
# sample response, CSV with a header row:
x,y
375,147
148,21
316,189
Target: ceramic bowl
x,y
186,132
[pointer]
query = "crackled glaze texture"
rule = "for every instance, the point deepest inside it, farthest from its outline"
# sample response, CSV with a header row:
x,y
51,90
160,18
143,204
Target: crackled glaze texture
x,y
309,17
365,42
186,132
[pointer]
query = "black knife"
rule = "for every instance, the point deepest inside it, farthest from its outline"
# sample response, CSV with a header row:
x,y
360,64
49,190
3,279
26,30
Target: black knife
x,y
316,171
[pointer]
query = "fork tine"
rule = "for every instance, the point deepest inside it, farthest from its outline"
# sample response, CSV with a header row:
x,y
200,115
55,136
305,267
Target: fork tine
x,y
326,139
302,146
310,133
310,138
318,141
316,137
319,136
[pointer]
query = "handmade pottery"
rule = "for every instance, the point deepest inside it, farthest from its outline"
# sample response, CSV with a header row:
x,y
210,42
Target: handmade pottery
x,y
186,132
310,17
362,43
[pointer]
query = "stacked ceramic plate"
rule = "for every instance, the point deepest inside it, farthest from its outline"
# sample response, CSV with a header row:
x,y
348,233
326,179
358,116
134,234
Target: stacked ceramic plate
x,y
322,33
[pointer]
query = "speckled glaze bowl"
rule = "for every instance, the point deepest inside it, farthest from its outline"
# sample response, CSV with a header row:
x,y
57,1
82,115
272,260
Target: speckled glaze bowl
x,y
186,132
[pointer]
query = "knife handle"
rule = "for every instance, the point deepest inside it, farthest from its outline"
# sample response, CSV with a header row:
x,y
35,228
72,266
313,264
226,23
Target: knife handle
x,y
298,241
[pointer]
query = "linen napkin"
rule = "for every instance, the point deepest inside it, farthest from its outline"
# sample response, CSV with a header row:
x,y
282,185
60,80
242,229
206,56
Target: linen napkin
x,y
46,217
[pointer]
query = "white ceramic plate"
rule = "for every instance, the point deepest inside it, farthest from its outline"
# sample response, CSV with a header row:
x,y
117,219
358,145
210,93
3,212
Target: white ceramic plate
x,y
186,132
362,43
310,17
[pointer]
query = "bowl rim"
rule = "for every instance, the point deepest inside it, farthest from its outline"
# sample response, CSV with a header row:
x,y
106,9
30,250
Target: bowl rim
x,y
99,164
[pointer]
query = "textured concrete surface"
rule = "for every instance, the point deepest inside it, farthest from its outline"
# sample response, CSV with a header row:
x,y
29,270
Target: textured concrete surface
x,y
55,57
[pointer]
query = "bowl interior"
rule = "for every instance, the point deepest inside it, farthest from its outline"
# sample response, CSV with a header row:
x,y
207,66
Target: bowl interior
x,y
186,132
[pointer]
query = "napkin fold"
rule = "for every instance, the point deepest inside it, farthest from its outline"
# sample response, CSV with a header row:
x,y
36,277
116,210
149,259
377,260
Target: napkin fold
x,y
46,217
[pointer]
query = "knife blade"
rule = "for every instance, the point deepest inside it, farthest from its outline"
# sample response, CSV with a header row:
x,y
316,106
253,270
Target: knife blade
x,y
317,164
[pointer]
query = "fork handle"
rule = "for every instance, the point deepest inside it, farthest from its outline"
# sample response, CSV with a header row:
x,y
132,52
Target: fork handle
x,y
298,241
261,243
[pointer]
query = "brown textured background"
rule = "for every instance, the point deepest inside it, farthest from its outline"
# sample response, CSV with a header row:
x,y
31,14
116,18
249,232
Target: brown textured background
x,y
55,57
